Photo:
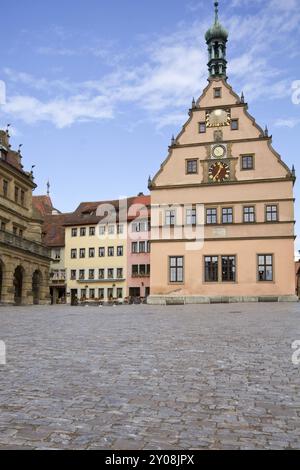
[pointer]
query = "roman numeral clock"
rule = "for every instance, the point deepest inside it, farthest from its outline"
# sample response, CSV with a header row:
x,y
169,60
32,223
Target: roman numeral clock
x,y
220,165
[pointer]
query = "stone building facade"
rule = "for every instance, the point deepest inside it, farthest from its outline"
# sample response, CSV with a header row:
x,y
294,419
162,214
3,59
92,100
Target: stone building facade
x,y
222,203
24,260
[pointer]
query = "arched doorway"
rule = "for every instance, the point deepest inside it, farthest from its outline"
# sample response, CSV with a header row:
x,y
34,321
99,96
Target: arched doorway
x,y
1,279
18,284
36,286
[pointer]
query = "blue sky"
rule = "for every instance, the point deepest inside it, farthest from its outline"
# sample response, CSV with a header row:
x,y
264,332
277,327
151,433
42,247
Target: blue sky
x,y
96,88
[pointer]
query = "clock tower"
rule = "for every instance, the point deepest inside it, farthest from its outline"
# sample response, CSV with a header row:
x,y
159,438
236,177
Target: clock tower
x,y
222,202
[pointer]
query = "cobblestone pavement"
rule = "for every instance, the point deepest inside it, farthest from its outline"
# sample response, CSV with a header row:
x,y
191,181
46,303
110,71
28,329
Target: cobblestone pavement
x,y
141,377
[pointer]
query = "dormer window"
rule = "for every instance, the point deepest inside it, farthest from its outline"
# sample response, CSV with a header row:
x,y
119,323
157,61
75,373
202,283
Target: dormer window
x,y
217,92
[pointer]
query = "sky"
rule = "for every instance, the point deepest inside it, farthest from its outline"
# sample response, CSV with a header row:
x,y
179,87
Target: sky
x,y
95,88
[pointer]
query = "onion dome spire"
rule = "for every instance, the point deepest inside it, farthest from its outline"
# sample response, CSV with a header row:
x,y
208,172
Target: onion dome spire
x,y
216,38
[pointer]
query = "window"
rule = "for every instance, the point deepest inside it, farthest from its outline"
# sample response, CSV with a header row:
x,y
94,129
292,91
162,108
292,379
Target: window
x,y
110,273
91,274
135,270
101,229
176,268
191,217
81,274
15,230
16,194
111,229
202,127
265,267
73,253
170,217
92,294
234,124
92,252
74,232
140,226
101,274
211,216
142,247
110,293
57,254
120,228
119,273
249,214
217,92
148,247
21,233
134,247
211,268
247,162
120,251
101,293
2,225
271,213
110,251
83,294
22,197
191,167
119,293
5,188
148,270
227,215
73,274
82,253
101,252
142,269
92,231
82,231
228,269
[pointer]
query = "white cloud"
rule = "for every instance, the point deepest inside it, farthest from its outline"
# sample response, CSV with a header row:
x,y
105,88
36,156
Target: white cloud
x,y
288,122
170,71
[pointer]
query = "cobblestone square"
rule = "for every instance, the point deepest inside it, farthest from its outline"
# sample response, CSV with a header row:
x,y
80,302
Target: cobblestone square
x,y
142,377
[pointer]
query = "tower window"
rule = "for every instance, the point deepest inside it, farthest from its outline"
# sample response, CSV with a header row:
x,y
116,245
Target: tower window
x,y
272,213
228,269
265,267
227,215
217,92
192,167
202,127
176,269
247,162
234,124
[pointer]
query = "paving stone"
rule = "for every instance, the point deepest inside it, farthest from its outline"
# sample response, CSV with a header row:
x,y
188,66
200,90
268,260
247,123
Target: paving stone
x,y
150,377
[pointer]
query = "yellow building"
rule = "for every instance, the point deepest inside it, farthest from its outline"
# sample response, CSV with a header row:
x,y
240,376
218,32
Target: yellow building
x,y
24,260
96,253
222,203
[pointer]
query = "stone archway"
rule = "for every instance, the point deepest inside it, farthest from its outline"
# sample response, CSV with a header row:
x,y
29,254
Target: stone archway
x,y
36,286
18,284
1,278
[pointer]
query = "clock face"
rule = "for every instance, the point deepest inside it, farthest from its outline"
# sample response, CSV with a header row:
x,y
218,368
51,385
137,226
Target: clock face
x,y
219,151
219,172
218,118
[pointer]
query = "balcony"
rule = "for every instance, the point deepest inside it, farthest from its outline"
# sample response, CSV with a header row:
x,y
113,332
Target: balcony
x,y
58,276
13,241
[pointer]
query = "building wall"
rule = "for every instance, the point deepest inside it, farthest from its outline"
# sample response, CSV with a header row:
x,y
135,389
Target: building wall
x,y
140,282
95,263
270,182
